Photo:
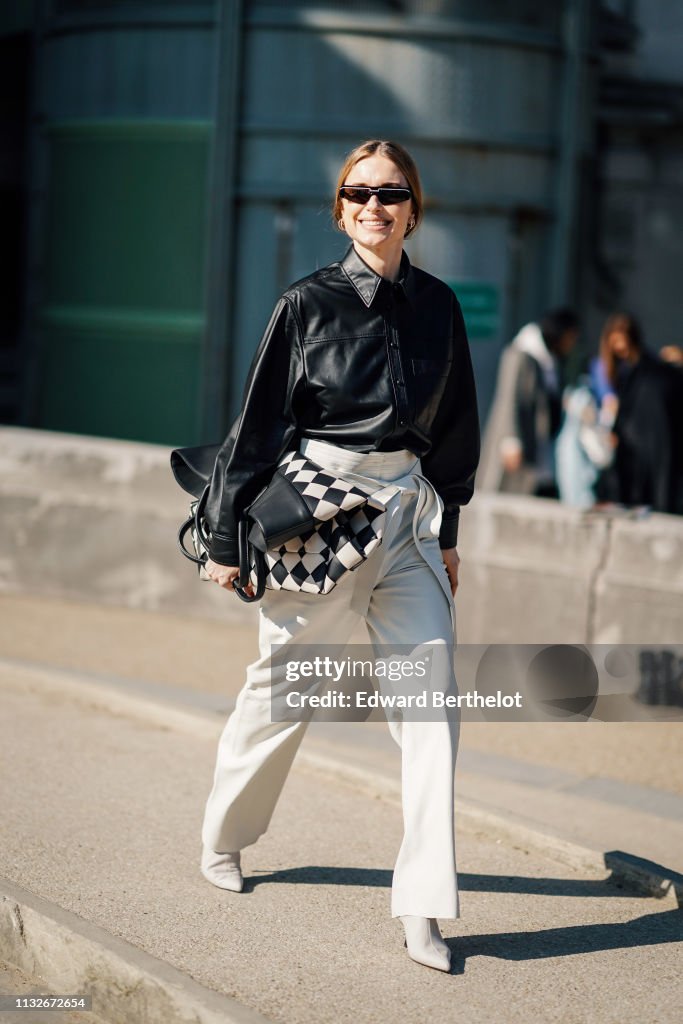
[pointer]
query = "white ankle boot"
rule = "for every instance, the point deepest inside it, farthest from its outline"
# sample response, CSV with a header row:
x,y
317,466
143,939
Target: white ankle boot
x,y
425,942
222,869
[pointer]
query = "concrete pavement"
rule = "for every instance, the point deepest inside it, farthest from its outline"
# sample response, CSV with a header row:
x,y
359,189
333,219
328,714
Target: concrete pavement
x,y
105,810
608,785
106,762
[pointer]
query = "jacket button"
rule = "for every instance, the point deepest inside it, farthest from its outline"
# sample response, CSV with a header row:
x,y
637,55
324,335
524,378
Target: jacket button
x,y
400,383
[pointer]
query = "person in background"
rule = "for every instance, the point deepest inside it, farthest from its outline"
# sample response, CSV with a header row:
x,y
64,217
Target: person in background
x,y
585,443
672,354
648,429
517,452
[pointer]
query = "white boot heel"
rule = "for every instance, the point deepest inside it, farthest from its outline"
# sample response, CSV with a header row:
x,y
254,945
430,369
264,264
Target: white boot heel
x,y
222,869
425,943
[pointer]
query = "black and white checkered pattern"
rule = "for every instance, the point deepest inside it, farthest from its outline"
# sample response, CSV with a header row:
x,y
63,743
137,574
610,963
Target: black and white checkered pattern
x,y
315,561
324,493
350,525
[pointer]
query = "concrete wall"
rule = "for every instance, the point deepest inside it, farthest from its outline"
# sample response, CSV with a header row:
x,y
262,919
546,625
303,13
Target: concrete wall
x,y
89,519
96,520
534,571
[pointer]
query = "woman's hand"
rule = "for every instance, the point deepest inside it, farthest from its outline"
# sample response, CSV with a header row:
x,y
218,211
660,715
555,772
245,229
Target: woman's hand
x,y
452,562
225,576
512,461
511,454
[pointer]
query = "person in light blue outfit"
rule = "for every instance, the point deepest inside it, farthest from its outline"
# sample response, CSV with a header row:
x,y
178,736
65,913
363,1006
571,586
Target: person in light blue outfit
x,y
584,447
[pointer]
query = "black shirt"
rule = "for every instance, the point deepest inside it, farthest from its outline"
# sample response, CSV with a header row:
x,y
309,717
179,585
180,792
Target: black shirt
x,y
356,360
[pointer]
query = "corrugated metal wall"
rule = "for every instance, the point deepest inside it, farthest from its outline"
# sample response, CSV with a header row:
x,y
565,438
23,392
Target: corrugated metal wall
x,y
127,94
126,106
475,98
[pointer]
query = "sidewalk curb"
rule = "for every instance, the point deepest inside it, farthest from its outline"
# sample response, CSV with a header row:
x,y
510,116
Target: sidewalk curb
x,y
628,871
70,955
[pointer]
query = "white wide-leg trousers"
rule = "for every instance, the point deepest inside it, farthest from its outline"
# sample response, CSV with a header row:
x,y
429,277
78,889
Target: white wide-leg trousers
x,y
403,593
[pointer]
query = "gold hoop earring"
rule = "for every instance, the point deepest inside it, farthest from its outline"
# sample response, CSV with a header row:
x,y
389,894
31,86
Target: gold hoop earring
x,y
340,223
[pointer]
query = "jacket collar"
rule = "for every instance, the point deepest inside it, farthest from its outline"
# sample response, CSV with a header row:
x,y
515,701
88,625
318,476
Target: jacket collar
x,y
367,282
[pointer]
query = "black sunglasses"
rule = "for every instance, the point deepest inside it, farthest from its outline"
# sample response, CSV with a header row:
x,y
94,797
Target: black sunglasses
x,y
386,196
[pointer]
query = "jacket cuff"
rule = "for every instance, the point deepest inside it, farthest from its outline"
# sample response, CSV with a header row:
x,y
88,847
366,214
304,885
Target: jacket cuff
x,y
224,550
448,534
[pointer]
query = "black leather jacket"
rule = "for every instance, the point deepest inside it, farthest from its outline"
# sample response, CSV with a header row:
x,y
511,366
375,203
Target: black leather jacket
x,y
351,358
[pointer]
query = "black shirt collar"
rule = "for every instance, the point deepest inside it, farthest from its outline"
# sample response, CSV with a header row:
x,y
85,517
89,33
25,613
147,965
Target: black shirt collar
x,y
367,282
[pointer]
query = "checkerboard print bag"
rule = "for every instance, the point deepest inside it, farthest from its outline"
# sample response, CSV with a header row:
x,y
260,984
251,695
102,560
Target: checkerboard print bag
x,y
303,532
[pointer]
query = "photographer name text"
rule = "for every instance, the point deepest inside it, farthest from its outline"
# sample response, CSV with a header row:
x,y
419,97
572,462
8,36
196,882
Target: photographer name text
x,y
423,699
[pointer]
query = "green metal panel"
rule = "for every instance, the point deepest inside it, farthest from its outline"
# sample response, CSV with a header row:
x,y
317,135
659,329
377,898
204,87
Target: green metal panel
x,y
123,319
480,303
133,377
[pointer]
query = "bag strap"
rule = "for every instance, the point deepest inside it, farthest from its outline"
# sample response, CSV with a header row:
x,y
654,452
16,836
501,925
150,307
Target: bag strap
x,y
199,517
243,548
182,533
195,520
242,580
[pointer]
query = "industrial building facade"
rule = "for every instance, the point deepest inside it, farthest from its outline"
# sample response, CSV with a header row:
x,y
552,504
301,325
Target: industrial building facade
x,y
168,170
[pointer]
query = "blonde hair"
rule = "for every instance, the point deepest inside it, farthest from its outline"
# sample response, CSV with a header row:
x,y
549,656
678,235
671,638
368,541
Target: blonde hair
x,y
400,156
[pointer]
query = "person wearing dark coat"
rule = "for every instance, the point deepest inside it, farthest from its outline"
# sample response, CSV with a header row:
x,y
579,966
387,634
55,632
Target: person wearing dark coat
x,y
648,430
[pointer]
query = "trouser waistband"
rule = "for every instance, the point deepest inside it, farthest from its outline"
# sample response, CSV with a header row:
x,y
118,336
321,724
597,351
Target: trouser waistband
x,y
379,465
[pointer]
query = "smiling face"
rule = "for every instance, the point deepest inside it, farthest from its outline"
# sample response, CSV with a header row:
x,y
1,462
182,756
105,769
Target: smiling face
x,y
372,225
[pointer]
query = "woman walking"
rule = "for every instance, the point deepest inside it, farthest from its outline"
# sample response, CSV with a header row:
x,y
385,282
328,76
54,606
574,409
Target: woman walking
x,y
365,368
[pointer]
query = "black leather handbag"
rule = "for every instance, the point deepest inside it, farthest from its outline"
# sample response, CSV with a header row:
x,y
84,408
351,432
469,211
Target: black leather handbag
x,y
303,532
